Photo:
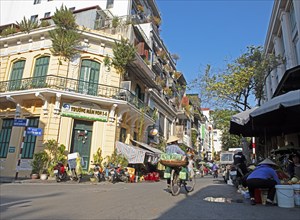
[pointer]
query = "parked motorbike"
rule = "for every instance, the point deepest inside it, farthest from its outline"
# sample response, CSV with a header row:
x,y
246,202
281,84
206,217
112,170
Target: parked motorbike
x,y
116,174
98,173
236,174
60,172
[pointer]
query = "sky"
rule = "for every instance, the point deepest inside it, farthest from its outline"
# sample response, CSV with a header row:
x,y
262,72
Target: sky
x,y
212,32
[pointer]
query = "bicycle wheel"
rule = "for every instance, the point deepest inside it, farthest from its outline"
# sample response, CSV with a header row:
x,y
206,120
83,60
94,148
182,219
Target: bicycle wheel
x,y
175,183
190,183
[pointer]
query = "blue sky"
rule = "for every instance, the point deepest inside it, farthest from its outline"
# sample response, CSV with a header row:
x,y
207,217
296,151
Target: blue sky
x,y
205,32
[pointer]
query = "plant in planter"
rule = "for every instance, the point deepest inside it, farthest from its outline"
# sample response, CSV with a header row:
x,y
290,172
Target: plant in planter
x,y
115,22
56,152
27,25
39,163
124,54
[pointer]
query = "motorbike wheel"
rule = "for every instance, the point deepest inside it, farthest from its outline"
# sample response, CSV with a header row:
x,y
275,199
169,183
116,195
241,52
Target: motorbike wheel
x,y
57,178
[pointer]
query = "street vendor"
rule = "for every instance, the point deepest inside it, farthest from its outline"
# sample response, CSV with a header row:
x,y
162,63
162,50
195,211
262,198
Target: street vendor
x,y
263,176
172,147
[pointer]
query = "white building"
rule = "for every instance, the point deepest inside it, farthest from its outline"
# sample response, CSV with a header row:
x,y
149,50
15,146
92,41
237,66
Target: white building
x,y
283,40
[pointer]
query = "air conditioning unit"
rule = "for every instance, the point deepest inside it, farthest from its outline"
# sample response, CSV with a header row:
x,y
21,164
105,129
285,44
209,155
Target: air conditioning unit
x,y
126,85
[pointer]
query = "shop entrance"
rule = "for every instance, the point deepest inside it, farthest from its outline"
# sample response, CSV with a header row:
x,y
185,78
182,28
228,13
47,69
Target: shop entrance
x,y
81,140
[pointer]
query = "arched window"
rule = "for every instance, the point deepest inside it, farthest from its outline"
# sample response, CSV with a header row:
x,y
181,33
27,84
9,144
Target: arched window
x,y
16,75
89,77
40,71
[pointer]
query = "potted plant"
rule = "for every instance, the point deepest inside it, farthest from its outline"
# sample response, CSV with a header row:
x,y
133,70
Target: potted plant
x,y
38,164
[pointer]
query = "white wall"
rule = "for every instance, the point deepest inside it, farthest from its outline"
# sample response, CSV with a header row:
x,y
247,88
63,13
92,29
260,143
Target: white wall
x,y
15,10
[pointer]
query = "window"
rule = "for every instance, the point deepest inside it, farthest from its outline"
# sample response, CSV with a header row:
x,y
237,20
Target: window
x,y
292,18
34,18
109,4
29,142
5,136
16,75
47,14
89,77
122,137
35,2
40,71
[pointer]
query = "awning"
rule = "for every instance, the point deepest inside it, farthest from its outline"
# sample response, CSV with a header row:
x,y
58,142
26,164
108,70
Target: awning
x,y
148,147
240,124
134,155
279,115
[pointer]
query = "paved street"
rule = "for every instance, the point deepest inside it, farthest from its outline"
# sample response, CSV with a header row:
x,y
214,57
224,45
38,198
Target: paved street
x,y
50,200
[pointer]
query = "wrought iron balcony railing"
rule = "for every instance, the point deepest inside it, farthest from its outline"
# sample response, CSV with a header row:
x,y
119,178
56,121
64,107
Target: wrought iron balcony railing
x,y
76,86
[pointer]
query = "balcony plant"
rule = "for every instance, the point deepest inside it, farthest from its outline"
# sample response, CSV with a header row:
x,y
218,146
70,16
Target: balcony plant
x,y
140,8
26,25
115,22
157,21
124,53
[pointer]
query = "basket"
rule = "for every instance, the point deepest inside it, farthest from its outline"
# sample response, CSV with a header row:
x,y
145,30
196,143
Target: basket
x,y
174,163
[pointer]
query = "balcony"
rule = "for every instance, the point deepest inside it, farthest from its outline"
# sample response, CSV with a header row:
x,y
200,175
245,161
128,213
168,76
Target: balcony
x,y
75,86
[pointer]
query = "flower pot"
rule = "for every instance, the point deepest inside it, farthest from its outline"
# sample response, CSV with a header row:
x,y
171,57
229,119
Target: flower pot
x,y
44,176
34,176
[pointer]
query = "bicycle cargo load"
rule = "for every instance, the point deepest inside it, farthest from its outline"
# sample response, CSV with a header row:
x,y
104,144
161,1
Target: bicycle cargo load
x,y
173,160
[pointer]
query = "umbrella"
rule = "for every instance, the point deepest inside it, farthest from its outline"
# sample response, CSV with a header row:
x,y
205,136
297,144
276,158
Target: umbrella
x,y
279,115
240,124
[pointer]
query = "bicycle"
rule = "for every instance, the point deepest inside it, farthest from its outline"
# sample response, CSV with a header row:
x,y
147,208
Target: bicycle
x,y
177,183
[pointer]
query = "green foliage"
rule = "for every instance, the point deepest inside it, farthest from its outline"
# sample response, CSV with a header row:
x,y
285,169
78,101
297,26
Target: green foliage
x,y
26,25
242,80
65,37
115,22
97,157
117,159
124,53
221,120
39,162
8,31
194,137
56,153
161,143
44,24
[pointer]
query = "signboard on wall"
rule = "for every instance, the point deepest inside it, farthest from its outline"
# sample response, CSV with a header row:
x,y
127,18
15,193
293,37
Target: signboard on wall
x,y
81,111
20,122
34,131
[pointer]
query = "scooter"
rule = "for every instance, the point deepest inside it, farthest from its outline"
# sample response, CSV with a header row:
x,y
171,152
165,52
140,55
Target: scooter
x,y
60,172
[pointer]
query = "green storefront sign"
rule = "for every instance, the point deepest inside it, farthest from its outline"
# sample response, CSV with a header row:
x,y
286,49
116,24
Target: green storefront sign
x,y
81,112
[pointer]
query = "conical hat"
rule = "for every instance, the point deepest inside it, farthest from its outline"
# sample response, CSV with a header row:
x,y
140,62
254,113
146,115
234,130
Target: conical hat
x,y
268,161
172,139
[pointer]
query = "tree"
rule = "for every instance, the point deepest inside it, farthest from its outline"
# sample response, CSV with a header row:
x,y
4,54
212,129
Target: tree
x,y
124,53
241,82
27,25
221,119
65,37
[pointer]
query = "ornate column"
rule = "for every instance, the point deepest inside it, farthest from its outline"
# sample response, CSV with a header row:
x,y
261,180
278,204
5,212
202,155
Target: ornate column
x,y
274,81
269,87
279,52
296,4
290,53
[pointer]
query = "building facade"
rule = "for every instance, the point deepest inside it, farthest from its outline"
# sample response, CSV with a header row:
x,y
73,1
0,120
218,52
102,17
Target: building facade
x,y
283,40
81,102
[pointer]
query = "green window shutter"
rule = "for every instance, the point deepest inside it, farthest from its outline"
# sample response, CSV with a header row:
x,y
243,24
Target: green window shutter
x,y
41,66
29,141
89,77
40,72
5,134
16,75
